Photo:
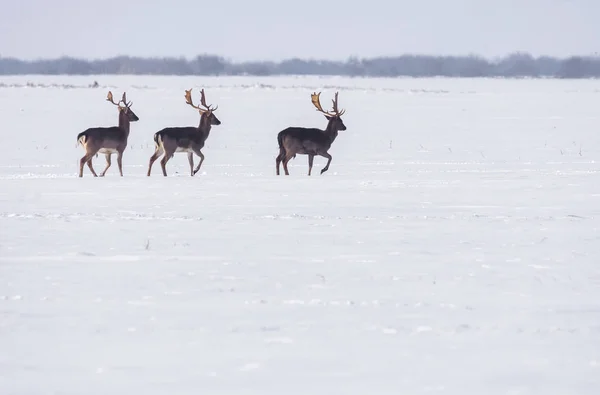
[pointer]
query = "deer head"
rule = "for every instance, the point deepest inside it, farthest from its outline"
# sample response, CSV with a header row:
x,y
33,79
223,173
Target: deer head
x,y
207,114
334,117
125,109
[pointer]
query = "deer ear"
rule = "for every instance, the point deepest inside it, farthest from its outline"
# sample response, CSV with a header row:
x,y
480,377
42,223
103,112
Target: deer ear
x,y
328,117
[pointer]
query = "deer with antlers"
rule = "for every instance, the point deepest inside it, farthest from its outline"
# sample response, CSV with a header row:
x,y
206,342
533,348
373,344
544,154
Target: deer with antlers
x,y
310,141
189,139
107,140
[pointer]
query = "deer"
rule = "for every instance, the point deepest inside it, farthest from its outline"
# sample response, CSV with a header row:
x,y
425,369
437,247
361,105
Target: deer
x,y
310,141
189,139
107,140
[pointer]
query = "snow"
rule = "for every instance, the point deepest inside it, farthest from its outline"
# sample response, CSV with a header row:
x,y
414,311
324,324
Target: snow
x,y
453,246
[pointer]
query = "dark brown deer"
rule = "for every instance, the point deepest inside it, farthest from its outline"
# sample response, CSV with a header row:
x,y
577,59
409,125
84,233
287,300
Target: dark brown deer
x,y
107,140
188,139
310,141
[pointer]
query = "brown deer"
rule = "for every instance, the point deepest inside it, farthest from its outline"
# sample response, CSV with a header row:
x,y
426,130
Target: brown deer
x,y
188,139
107,140
310,141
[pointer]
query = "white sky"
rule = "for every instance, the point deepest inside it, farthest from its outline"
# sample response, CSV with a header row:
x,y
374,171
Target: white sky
x,y
277,29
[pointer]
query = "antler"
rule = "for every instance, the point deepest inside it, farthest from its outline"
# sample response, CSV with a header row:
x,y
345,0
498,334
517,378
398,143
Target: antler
x,y
110,99
335,106
123,100
203,102
188,100
315,99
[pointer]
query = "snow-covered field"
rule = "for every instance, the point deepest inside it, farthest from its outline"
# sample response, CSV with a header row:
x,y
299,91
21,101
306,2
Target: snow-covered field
x,y
453,247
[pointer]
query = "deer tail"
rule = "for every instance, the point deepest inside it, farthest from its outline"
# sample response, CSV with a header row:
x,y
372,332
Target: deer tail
x,y
158,140
81,138
282,149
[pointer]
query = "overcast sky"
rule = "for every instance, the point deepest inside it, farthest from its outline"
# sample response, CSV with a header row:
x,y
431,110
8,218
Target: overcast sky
x,y
277,29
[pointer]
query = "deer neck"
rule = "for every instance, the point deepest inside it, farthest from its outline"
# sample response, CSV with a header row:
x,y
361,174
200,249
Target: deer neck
x,y
124,123
331,131
205,130
204,127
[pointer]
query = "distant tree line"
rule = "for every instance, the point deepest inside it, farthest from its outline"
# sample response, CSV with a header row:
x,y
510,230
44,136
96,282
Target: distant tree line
x,y
512,66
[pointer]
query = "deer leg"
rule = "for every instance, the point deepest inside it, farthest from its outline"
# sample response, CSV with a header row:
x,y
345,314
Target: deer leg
x,y
120,162
107,165
311,158
163,162
201,155
89,163
288,156
153,158
326,155
87,158
81,164
279,159
191,160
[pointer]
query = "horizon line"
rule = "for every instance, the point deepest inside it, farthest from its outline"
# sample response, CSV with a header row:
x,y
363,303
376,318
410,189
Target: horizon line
x,y
490,59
